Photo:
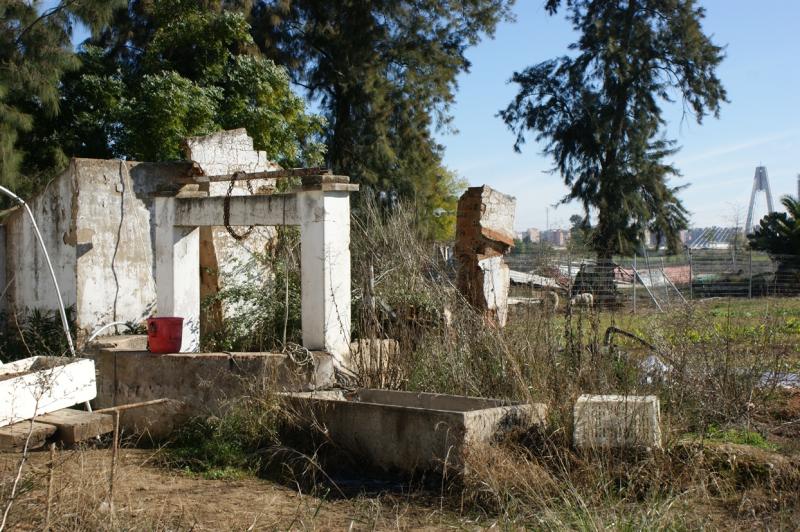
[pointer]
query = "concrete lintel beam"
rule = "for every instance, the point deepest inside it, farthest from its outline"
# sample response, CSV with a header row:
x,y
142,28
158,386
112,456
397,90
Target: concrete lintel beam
x,y
277,209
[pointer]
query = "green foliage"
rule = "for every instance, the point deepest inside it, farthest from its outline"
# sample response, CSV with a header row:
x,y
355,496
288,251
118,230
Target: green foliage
x,y
164,110
230,445
182,69
256,313
36,333
598,111
778,233
385,75
738,436
35,50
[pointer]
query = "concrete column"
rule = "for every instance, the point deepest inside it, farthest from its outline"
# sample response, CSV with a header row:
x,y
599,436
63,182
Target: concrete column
x,y
177,258
325,266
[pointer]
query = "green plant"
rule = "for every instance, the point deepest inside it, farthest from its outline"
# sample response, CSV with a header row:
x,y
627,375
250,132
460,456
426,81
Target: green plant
x,y
263,312
231,444
34,333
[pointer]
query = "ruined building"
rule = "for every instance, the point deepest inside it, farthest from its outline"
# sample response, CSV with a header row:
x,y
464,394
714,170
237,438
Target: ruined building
x,y
97,220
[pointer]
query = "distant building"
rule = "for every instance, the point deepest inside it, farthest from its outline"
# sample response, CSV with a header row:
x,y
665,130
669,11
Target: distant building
x,y
556,237
532,235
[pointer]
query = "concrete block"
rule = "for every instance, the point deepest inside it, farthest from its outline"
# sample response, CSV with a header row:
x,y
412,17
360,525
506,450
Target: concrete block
x,y
409,431
615,421
74,426
151,421
13,437
38,385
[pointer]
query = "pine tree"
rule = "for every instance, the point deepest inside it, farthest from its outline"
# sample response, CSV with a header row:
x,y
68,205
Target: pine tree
x,y
598,112
35,51
384,72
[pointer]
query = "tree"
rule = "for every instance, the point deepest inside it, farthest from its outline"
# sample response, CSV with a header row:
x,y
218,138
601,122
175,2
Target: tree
x,y
384,73
598,112
778,233
175,68
580,233
35,51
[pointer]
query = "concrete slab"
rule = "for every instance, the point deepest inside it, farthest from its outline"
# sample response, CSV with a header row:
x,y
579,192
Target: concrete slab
x,y
408,431
13,437
614,421
38,385
74,426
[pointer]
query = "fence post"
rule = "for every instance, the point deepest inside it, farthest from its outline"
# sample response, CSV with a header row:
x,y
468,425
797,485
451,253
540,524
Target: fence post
x,y
691,276
569,271
634,283
664,278
750,275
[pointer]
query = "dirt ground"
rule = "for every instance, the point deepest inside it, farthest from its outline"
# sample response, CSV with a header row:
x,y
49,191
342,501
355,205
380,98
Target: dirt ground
x,y
154,498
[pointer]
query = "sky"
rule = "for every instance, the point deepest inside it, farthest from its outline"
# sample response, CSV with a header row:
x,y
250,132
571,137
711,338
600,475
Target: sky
x,y
760,125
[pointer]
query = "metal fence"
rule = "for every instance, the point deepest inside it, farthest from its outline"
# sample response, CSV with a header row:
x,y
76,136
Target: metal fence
x,y
657,281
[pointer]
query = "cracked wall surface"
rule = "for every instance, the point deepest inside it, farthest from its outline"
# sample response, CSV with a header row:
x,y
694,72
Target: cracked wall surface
x,y
97,222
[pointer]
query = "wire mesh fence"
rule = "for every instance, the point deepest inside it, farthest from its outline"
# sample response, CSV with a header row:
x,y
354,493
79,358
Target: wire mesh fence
x,y
656,281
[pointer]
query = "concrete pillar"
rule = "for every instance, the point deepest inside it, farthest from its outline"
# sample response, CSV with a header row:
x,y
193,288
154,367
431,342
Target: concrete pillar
x,y
177,259
325,270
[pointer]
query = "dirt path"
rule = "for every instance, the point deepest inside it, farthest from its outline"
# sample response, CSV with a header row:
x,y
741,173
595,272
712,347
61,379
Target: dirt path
x,y
154,498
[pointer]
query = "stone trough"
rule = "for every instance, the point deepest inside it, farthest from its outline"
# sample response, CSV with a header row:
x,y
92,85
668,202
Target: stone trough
x,y
408,431
34,386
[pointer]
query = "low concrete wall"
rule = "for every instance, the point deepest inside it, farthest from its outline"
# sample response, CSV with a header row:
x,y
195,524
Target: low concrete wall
x,y
203,382
408,432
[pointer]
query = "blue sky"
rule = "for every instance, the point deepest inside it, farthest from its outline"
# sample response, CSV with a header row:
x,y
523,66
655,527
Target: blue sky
x,y
760,125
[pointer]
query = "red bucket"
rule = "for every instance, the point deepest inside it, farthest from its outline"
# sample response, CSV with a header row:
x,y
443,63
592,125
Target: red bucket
x,y
164,334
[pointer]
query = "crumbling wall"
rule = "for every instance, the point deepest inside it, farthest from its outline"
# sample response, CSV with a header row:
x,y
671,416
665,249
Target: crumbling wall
x,y
97,220
484,233
113,238
224,259
27,277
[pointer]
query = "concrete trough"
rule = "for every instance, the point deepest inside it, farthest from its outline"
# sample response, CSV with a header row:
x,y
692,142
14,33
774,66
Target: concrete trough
x,y
205,383
407,432
38,385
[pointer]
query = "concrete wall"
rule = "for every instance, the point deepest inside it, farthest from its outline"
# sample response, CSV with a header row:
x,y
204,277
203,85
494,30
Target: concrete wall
x,y
97,220
224,260
113,239
29,282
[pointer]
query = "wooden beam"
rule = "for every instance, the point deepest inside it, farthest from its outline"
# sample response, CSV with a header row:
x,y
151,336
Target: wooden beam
x,y
75,426
13,437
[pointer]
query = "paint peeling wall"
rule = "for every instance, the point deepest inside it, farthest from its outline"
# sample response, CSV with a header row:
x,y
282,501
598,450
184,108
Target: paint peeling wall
x,y
113,239
224,260
97,219
27,276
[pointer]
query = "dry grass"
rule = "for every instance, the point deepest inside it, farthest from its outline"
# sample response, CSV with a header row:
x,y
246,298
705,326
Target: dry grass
x,y
730,457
